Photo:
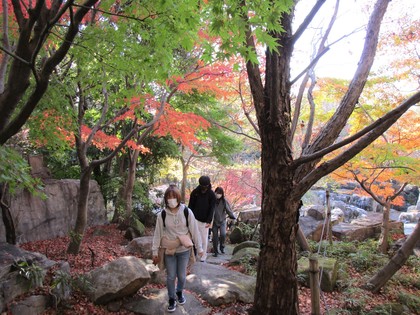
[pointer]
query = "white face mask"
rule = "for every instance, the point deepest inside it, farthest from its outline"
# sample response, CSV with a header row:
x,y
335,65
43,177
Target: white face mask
x,y
172,203
218,196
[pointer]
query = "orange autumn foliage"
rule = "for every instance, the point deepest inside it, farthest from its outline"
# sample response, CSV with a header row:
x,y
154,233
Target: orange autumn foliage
x,y
182,127
389,162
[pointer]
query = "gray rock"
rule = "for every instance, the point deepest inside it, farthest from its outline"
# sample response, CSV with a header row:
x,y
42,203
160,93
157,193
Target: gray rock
x,y
141,245
11,283
31,305
119,278
315,211
363,228
218,285
247,253
41,219
311,228
245,245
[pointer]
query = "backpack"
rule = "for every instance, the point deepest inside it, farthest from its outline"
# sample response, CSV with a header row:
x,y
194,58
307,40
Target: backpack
x,y
164,216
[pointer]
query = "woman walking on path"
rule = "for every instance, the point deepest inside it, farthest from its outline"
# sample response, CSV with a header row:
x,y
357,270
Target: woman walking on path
x,y
172,244
221,209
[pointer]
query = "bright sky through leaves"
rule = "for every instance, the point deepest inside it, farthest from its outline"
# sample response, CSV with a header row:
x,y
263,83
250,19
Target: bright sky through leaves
x,y
341,60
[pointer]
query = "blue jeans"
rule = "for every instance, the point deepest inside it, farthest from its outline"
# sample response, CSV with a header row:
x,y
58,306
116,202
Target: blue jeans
x,y
176,267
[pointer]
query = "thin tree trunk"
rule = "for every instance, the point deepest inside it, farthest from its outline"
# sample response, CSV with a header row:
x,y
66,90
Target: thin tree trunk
x,y
185,167
119,205
76,236
396,262
129,185
329,218
9,225
383,240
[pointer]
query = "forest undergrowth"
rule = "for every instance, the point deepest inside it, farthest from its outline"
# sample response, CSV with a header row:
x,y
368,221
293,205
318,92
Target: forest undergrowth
x,y
106,243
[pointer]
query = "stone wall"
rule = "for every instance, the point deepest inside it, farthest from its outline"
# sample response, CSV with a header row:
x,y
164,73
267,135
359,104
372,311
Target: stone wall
x,y
40,219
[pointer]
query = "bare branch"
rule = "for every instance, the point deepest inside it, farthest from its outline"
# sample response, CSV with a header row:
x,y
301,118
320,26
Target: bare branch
x,y
387,120
367,136
310,73
333,127
8,53
310,123
311,65
307,20
233,131
128,17
248,117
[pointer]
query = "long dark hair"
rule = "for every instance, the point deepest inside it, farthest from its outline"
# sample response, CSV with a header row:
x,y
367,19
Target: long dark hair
x,y
219,190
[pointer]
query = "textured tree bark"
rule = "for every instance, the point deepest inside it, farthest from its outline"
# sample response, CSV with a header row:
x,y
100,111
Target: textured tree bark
x,y
383,240
9,225
76,236
129,185
397,261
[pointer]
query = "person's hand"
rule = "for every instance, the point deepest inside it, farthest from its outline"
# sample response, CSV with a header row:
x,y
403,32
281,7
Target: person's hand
x,y
207,225
155,260
200,254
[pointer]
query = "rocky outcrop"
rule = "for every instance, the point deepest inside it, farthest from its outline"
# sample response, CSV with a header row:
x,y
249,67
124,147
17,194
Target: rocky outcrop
x,y
37,218
366,227
20,271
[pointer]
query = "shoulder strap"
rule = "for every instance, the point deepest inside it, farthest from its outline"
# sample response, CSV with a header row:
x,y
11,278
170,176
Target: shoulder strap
x,y
163,217
185,214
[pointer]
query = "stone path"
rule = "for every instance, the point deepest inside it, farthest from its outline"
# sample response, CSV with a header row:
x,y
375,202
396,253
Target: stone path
x,y
207,281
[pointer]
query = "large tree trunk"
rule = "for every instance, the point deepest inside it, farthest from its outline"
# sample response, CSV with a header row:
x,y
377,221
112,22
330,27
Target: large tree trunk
x,y
285,181
396,262
277,263
76,235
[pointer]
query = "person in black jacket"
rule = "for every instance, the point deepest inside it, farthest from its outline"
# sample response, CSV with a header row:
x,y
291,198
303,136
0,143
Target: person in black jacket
x,y
202,202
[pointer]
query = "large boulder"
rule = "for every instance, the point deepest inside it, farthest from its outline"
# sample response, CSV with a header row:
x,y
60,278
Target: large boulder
x,y
311,228
249,215
141,245
219,286
39,218
119,278
245,244
363,228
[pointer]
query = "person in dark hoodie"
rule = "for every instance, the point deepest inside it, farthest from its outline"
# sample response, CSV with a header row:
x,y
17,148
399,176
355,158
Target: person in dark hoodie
x,y
202,202
221,209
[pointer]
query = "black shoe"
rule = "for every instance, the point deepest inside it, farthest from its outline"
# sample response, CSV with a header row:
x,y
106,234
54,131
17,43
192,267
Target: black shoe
x,y
215,254
172,306
222,250
181,298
